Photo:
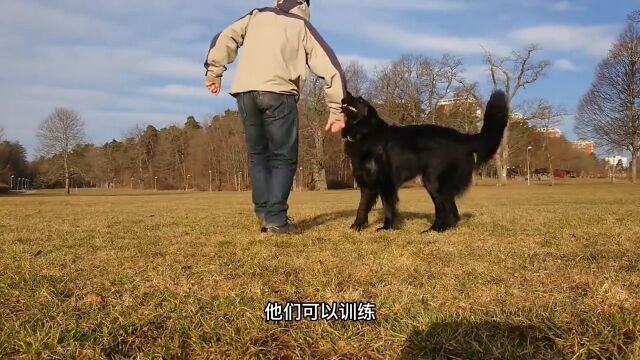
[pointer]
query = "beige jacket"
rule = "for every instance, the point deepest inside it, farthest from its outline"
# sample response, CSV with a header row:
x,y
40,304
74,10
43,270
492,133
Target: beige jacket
x,y
278,43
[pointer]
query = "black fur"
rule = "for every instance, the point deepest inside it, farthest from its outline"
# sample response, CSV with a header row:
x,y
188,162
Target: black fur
x,y
384,157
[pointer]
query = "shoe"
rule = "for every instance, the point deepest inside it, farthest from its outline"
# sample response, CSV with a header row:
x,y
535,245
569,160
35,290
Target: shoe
x,y
263,223
287,228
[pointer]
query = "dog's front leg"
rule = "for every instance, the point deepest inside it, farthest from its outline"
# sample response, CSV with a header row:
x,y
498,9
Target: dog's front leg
x,y
367,200
390,203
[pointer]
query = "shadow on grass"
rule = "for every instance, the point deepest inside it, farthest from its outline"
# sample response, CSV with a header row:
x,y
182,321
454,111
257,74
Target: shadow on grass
x,y
479,340
375,216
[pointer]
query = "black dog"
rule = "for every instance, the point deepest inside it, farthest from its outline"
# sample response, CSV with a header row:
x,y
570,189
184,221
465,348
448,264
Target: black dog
x,y
384,157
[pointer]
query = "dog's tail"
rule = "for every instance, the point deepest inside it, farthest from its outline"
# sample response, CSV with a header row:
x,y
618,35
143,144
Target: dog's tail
x,y
496,116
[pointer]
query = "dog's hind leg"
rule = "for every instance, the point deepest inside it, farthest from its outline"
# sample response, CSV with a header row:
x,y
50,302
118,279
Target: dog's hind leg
x,y
433,188
454,209
452,216
389,195
367,200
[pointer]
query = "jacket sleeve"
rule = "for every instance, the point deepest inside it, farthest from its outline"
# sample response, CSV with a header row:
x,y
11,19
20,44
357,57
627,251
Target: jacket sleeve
x,y
224,48
324,63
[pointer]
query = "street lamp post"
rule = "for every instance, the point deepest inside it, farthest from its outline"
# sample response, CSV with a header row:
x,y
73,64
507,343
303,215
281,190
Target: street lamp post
x,y
132,183
210,187
188,176
11,183
155,183
301,180
528,167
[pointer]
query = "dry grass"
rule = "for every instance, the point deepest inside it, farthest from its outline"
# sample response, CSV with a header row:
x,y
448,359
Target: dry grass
x,y
534,272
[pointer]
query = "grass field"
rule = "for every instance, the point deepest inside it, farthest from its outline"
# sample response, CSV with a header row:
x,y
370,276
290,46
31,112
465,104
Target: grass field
x,y
531,273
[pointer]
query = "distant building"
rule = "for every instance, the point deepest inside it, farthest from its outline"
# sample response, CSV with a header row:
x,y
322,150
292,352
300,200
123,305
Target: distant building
x,y
447,104
614,160
518,117
589,147
550,132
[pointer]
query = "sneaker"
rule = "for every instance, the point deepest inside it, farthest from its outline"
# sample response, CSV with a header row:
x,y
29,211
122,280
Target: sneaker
x,y
287,228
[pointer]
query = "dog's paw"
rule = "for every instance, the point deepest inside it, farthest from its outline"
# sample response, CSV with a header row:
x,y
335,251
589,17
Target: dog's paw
x,y
439,228
359,226
384,228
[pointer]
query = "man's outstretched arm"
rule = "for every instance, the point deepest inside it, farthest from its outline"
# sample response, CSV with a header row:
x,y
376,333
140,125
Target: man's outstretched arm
x,y
223,51
324,63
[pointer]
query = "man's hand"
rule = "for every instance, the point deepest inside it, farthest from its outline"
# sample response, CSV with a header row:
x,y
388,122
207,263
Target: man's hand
x,y
335,123
213,86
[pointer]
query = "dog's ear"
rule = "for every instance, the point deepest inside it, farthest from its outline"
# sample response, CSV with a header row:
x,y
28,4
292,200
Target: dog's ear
x,y
363,107
349,99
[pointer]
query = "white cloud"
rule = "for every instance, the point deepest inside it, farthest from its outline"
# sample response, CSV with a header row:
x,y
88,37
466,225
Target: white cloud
x,y
594,40
101,58
369,63
415,5
61,96
564,5
180,91
27,17
419,41
565,64
476,73
91,65
171,10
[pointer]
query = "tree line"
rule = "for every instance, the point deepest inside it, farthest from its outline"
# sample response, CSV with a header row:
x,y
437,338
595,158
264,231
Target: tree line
x,y
210,153
13,163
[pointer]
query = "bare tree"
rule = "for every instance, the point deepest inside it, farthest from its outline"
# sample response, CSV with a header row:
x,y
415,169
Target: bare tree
x,y
313,112
546,117
1,133
513,73
358,80
408,90
59,133
441,80
609,114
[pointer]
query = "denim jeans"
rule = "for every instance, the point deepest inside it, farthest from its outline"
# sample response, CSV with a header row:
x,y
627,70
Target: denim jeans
x,y
271,131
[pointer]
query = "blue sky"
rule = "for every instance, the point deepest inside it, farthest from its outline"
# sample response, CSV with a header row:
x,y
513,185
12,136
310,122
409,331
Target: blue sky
x,y
126,63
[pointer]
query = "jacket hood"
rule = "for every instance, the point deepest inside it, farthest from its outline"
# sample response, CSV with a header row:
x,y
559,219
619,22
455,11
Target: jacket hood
x,y
296,7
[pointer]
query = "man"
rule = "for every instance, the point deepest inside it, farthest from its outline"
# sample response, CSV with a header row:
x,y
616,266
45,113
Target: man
x,y
278,43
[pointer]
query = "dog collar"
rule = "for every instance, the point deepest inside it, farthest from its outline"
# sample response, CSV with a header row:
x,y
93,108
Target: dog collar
x,y
350,108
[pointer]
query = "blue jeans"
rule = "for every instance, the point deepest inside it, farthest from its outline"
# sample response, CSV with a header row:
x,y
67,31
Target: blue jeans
x,y
271,131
